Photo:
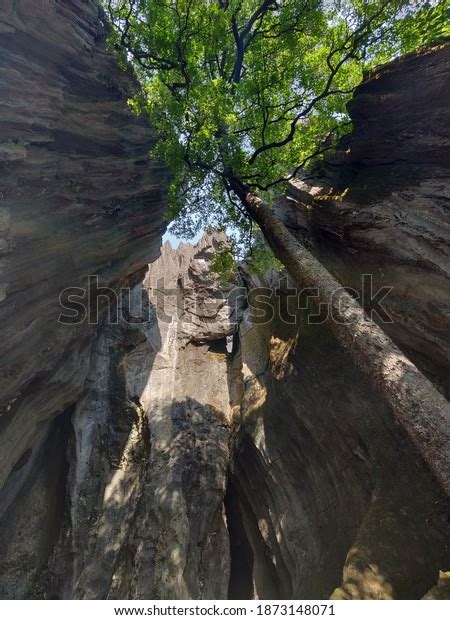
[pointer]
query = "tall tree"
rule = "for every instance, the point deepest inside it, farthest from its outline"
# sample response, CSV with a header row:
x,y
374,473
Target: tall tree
x,y
244,93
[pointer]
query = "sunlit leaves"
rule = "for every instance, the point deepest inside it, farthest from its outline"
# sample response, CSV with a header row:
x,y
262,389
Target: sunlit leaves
x,y
252,88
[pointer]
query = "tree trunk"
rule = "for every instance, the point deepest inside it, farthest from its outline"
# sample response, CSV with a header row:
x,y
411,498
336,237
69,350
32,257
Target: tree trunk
x,y
418,406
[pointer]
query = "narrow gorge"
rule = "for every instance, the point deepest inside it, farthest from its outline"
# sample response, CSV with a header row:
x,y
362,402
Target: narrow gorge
x,y
169,443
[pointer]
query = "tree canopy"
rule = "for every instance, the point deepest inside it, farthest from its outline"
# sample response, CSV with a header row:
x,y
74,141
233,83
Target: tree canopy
x,y
254,89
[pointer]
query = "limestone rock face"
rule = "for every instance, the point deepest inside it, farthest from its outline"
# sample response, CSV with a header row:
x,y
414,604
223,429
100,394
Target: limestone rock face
x,y
151,443
323,477
78,196
389,216
146,515
147,456
179,446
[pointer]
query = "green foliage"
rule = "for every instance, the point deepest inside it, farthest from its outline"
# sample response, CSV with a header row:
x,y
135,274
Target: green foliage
x,y
261,259
251,89
223,264
431,24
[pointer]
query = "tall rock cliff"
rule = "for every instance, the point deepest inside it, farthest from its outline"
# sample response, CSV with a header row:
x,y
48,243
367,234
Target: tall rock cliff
x,y
78,197
150,447
380,205
322,477
311,427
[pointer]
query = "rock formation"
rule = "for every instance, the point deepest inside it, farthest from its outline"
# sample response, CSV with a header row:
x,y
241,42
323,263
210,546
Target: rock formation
x,y
179,446
381,203
150,446
311,427
321,471
78,196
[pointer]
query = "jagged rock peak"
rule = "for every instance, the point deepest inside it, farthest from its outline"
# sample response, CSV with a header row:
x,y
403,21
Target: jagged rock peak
x,y
185,290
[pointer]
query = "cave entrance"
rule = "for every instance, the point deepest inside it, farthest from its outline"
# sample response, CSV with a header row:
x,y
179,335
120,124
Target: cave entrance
x,y
218,346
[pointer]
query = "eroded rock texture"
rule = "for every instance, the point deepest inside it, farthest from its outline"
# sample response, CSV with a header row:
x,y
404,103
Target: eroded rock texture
x,y
391,216
321,471
150,449
78,196
146,450
322,476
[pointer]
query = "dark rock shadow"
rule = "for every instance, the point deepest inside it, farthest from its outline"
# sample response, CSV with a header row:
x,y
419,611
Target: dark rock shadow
x,y
321,467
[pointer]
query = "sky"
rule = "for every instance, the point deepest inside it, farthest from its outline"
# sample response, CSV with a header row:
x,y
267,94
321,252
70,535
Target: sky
x,y
175,241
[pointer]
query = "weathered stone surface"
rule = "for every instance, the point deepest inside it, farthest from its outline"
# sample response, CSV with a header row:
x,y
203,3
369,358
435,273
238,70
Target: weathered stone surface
x,y
78,196
393,219
146,512
321,471
115,441
149,451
